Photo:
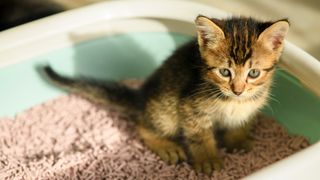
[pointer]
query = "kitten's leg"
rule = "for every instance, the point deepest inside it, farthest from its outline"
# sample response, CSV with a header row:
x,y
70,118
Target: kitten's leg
x,y
169,151
203,149
238,138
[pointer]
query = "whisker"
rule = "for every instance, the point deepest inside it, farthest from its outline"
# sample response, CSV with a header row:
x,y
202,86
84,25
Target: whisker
x,y
204,89
270,108
203,92
273,98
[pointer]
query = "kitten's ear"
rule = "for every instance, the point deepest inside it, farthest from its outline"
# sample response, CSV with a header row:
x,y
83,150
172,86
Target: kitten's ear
x,y
208,31
272,38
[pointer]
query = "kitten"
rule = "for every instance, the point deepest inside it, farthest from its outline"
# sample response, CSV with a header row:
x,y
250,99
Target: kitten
x,y
218,81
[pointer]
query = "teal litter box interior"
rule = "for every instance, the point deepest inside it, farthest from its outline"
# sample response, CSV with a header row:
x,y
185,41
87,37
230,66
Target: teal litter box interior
x,y
136,55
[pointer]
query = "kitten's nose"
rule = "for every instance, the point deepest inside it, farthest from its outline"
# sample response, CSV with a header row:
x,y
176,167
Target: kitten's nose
x,y
238,93
238,87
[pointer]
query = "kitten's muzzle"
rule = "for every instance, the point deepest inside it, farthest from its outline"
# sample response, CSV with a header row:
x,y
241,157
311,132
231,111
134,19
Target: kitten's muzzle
x,y
238,93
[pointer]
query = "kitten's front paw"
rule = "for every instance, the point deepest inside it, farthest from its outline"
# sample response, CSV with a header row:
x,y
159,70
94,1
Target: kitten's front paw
x,y
207,165
204,153
168,150
243,144
171,153
238,139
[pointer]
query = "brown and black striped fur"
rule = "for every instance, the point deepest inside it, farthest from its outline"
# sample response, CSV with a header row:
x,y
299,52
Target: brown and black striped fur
x,y
242,33
182,105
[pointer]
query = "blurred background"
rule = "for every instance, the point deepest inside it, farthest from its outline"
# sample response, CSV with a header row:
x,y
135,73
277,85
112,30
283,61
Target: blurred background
x,y
304,15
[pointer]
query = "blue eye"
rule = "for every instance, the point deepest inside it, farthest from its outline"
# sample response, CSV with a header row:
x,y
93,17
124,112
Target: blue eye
x,y
225,72
254,73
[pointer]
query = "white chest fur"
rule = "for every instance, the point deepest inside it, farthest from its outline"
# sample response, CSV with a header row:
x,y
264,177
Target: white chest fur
x,y
235,113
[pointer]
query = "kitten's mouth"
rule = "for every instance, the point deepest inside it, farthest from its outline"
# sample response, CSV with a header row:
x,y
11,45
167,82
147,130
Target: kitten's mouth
x,y
236,96
232,95
228,94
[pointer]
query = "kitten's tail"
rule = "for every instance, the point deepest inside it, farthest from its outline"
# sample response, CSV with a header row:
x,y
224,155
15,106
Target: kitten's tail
x,y
105,93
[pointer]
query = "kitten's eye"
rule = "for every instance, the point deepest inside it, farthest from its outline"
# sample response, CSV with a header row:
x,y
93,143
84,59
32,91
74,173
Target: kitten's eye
x,y
225,72
254,73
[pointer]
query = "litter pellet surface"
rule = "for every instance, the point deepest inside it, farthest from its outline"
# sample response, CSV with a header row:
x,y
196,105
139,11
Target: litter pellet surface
x,y
71,138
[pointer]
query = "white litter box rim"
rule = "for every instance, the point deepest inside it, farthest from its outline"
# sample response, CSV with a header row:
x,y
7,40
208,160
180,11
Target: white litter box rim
x,y
27,41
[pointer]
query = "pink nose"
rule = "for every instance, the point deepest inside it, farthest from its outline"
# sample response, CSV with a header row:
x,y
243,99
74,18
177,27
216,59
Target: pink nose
x,y
238,93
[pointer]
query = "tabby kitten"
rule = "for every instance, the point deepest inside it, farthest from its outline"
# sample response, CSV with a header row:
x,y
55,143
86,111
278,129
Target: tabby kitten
x,y
218,81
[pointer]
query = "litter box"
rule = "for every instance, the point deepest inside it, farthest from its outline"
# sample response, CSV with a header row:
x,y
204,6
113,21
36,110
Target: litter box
x,y
129,39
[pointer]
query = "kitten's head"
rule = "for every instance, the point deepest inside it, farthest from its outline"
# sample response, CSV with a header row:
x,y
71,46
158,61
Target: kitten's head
x,y
240,53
